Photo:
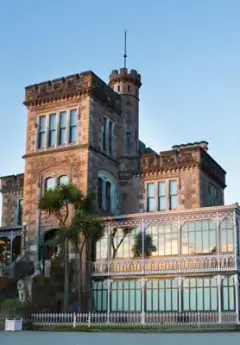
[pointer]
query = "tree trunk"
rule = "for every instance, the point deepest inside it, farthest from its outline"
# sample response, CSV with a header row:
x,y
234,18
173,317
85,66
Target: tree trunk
x,y
89,275
66,277
79,279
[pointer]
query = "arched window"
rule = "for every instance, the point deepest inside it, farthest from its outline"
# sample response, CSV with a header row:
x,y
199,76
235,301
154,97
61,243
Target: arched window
x,y
62,180
50,183
106,191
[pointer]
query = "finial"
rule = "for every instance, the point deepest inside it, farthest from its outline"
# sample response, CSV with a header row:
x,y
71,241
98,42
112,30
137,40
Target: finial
x,y
125,49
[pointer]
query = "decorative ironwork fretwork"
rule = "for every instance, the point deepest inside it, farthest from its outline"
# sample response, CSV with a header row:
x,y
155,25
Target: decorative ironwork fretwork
x,y
159,266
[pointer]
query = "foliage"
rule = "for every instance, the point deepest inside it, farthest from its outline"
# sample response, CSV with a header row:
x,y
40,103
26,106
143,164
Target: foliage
x,y
85,226
84,232
12,307
21,269
57,202
115,247
74,213
149,247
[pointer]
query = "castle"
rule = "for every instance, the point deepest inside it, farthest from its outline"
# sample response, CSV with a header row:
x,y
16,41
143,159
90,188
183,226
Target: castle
x,y
84,131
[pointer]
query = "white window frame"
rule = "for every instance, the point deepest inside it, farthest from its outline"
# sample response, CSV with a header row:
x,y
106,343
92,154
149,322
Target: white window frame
x,y
47,116
167,182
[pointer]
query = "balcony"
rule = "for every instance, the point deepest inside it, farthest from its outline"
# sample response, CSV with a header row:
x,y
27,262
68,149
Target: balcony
x,y
163,266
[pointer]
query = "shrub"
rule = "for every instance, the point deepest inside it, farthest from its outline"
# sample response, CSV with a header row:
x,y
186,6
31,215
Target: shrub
x,y
12,307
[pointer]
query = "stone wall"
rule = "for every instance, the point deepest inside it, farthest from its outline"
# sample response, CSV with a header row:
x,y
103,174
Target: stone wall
x,y
72,163
193,169
12,192
71,86
79,102
205,180
96,116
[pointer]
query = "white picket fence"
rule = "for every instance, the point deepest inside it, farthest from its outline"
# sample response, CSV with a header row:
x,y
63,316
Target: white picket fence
x,y
149,320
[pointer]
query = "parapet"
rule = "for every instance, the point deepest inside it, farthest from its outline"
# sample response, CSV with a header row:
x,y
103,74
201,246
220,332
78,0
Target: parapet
x,y
57,87
203,144
11,183
184,156
124,75
72,85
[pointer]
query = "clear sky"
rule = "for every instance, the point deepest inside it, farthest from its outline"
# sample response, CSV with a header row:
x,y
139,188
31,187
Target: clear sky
x,y
188,52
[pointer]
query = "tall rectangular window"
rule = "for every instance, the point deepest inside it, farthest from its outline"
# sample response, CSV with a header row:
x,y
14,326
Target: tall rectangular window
x,y
172,195
62,128
52,130
20,211
162,196
100,193
150,197
108,196
128,142
73,126
110,129
42,132
104,133
212,195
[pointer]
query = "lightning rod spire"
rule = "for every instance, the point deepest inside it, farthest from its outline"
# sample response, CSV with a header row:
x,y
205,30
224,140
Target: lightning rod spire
x,y
125,49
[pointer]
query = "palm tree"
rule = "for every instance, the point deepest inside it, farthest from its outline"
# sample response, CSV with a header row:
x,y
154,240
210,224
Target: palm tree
x,y
74,213
62,203
83,233
149,246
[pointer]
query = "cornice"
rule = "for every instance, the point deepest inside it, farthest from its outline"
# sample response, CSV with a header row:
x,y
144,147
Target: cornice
x,y
67,96
12,191
156,172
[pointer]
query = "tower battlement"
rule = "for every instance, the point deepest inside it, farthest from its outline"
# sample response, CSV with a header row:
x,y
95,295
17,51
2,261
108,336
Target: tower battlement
x,y
58,87
11,183
75,84
123,74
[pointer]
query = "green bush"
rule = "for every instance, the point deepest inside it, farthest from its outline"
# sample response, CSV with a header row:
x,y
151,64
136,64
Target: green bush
x,y
12,308
15,309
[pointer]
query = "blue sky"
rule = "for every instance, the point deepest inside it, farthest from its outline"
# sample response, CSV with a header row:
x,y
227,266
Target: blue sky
x,y
187,51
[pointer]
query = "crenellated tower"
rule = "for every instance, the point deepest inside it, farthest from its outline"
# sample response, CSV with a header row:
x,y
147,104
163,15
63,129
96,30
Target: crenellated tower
x,y
127,84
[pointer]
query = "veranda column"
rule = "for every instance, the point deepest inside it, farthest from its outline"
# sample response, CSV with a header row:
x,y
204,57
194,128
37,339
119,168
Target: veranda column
x,y
219,292
108,283
59,250
143,284
142,229
236,282
180,282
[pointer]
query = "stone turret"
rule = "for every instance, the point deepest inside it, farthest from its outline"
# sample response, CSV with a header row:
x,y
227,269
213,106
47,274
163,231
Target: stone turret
x,y
125,82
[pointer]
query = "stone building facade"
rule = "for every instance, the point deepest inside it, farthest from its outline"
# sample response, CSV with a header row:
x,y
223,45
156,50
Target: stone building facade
x,y
84,131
